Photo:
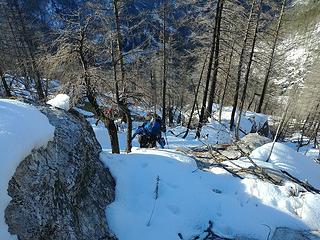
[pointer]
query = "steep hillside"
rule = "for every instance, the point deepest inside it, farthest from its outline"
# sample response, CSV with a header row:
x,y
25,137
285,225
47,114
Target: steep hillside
x,y
299,46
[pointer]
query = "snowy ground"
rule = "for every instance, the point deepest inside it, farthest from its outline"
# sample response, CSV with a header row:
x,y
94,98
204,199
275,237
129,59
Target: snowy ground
x,y
184,199
308,149
189,198
22,128
160,193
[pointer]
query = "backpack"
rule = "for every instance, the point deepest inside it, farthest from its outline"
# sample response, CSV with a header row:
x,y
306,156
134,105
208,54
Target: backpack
x,y
153,127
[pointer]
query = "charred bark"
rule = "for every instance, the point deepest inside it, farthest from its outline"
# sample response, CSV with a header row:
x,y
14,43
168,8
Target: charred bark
x,y
242,55
216,58
270,64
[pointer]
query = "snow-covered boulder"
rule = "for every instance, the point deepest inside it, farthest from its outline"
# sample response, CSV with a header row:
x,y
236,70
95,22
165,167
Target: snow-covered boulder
x,y
61,191
257,123
253,141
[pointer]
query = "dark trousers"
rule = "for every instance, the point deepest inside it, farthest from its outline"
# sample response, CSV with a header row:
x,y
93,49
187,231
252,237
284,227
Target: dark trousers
x,y
147,141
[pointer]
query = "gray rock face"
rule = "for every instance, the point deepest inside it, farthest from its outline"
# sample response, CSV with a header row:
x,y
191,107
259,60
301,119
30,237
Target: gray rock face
x,y
263,130
291,234
247,144
253,141
61,191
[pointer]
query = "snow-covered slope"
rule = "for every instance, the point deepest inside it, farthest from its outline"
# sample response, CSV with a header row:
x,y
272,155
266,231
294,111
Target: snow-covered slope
x,y
299,54
22,128
160,194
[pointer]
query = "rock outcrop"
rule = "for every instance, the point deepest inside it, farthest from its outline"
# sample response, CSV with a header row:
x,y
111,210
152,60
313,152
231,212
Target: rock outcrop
x,y
252,141
61,191
292,234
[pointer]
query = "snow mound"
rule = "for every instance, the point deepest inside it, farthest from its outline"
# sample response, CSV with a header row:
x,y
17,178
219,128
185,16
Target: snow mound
x,y
285,158
22,128
185,199
60,101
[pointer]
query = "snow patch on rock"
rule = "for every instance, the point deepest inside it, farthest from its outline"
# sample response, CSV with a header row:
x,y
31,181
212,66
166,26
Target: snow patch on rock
x,y
61,101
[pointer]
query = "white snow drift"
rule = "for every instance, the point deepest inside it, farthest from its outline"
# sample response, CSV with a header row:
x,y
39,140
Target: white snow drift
x,y
22,128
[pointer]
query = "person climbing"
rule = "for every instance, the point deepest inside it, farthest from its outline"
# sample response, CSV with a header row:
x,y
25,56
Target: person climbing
x,y
150,132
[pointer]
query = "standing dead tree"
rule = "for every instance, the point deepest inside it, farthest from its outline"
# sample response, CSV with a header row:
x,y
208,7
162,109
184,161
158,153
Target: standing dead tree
x,y
271,60
216,58
246,78
210,63
226,81
72,61
122,103
164,65
90,93
195,98
280,126
4,83
241,62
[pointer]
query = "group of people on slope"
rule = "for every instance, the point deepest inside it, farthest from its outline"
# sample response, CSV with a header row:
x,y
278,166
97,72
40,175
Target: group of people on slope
x,y
149,133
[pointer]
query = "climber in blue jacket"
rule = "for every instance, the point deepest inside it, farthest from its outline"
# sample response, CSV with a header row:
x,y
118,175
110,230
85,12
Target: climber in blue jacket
x,y
150,132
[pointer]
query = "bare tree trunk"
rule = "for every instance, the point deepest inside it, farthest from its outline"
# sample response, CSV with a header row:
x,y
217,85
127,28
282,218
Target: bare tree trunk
x,y
300,141
5,85
284,128
246,79
270,65
252,100
281,124
21,53
115,75
108,122
315,121
216,58
171,116
315,143
153,84
195,97
206,88
113,134
242,55
119,44
226,81
124,108
164,80
123,103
